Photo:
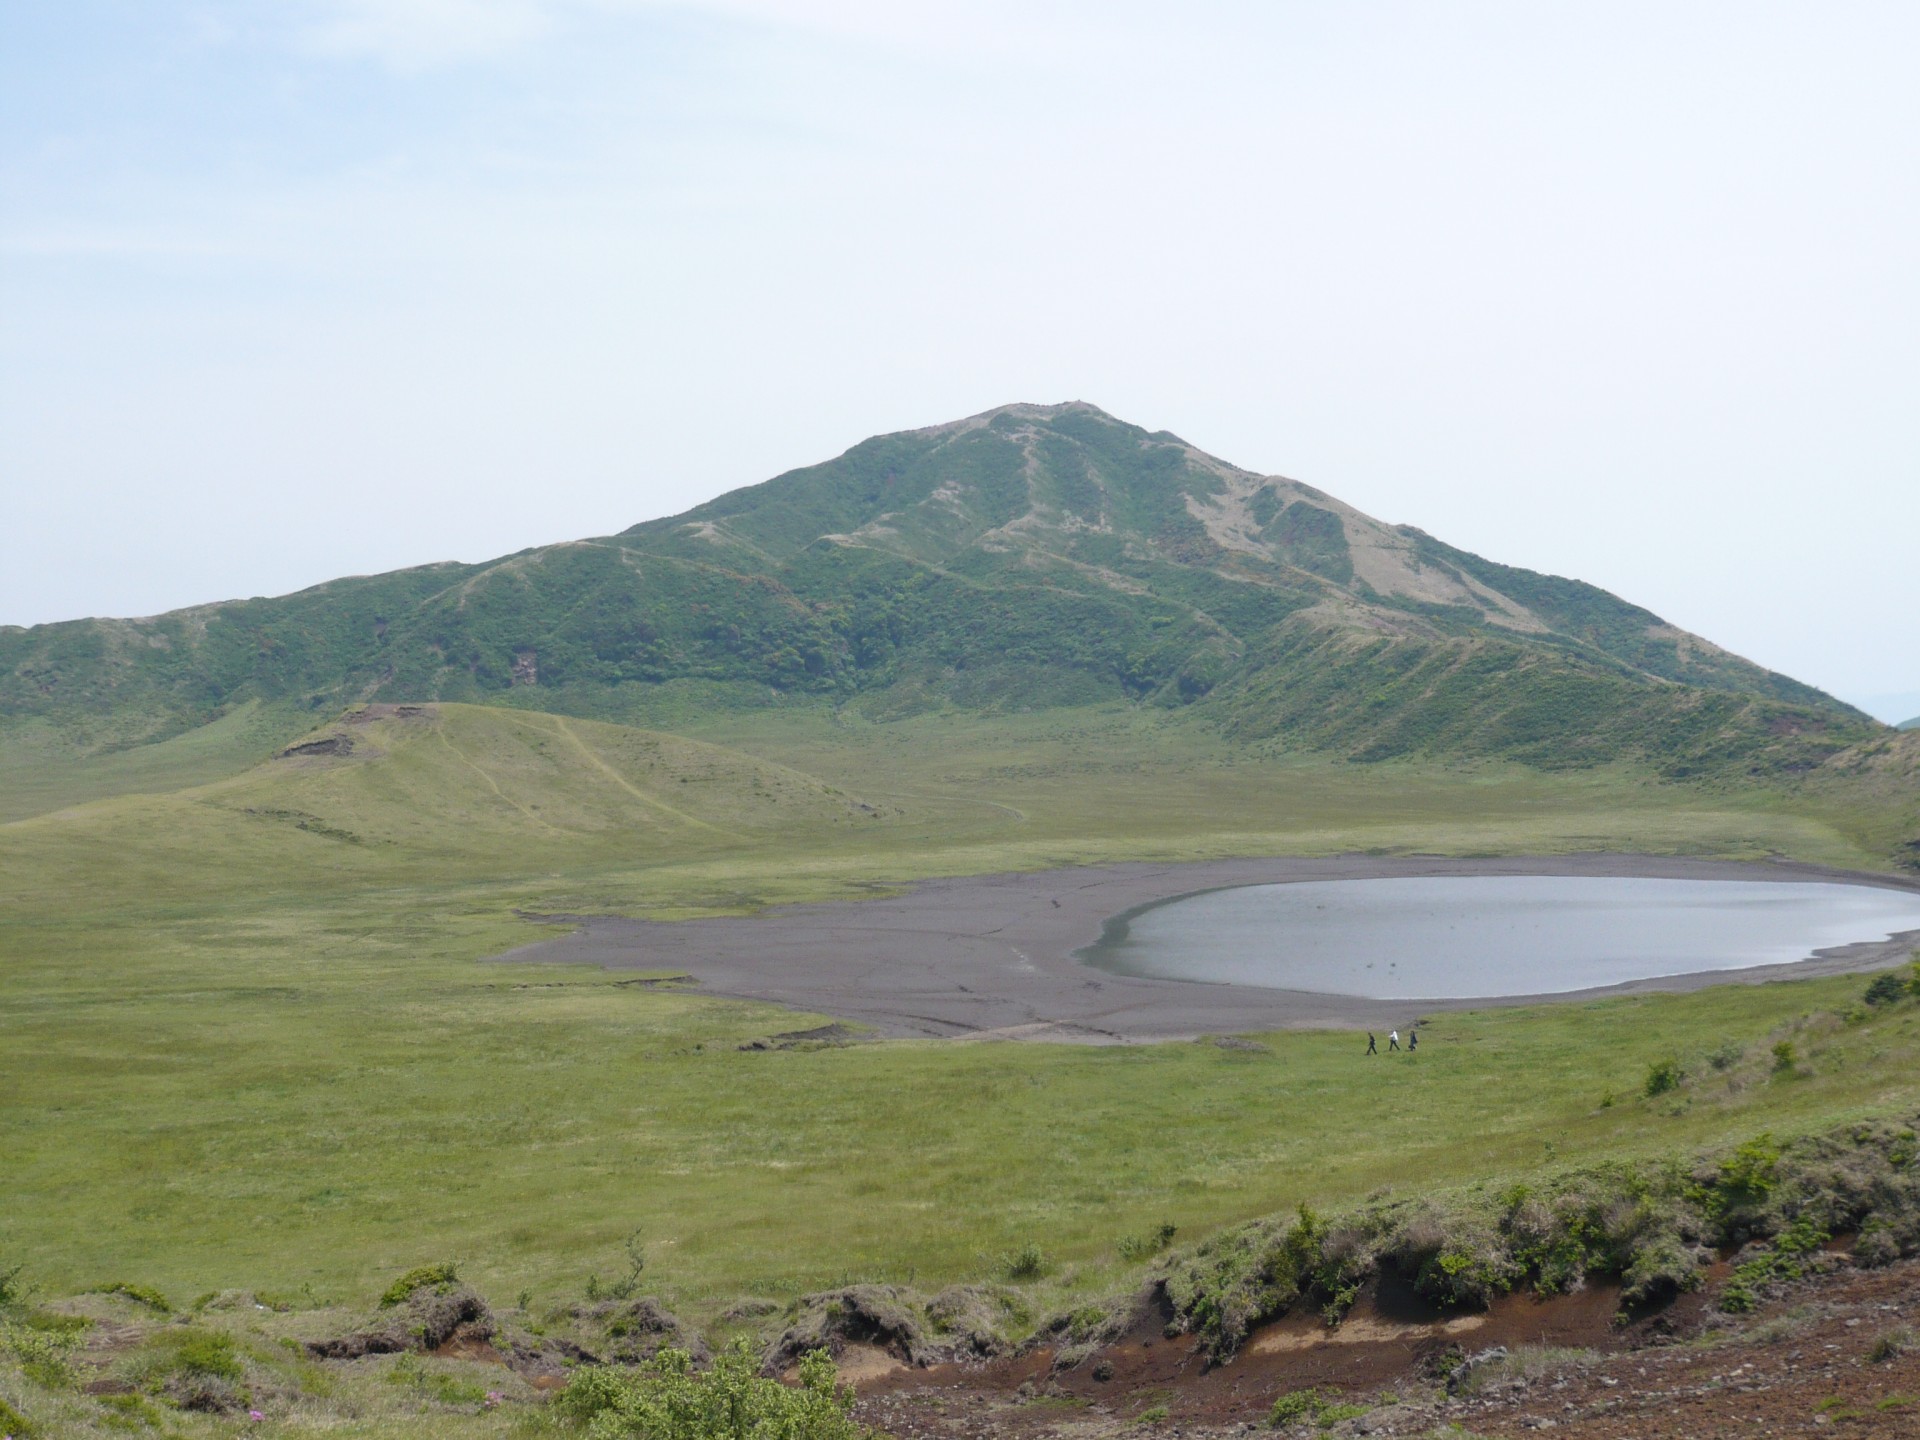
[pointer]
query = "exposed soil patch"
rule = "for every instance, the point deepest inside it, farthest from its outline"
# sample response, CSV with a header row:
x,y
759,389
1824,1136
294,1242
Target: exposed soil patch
x,y
1828,1357
834,1034
993,956
430,1319
326,745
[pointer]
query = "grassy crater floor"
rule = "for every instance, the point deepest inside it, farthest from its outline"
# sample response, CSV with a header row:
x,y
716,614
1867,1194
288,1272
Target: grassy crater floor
x,y
247,1043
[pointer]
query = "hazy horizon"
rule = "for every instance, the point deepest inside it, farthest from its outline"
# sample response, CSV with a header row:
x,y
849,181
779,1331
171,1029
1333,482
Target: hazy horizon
x,y
330,287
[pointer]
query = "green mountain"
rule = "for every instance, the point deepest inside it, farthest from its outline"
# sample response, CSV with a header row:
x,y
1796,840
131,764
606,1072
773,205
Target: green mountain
x,y
1030,556
1913,724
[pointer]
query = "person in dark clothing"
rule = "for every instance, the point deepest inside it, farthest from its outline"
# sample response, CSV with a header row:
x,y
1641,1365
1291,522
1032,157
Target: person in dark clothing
x,y
1372,1049
1413,1041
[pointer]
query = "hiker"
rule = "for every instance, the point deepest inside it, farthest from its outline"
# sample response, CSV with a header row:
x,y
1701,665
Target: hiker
x,y
1393,1040
1372,1049
1413,1041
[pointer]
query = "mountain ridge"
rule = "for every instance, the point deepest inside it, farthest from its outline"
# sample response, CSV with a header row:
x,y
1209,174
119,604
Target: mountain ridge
x,y
1030,555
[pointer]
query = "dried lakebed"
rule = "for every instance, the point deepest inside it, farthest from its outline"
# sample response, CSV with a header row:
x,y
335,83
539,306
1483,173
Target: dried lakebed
x,y
1000,956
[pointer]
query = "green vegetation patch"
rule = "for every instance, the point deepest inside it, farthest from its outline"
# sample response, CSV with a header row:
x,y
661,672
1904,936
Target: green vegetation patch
x,y
422,1277
730,1400
1652,1226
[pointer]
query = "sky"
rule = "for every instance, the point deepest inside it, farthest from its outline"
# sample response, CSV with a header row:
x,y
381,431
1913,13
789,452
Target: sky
x,y
291,289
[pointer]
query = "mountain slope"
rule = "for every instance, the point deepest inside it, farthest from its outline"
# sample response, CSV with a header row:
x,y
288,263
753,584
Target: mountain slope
x,y
1029,556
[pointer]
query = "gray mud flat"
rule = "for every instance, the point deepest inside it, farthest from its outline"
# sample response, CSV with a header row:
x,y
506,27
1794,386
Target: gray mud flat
x,y
993,956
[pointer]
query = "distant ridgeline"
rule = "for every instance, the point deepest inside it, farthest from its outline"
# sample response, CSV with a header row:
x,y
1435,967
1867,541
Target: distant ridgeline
x,y
1031,556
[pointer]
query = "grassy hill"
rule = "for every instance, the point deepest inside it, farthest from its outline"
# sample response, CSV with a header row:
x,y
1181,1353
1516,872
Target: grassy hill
x,y
1032,556
463,777
440,795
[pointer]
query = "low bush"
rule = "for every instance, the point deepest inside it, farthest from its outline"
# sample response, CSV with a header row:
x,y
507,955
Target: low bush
x,y
1889,987
45,1354
194,1369
628,1285
1651,1226
1892,1344
1727,1056
1663,1075
1146,1246
666,1399
421,1277
15,1425
1310,1407
1029,1262
1791,1255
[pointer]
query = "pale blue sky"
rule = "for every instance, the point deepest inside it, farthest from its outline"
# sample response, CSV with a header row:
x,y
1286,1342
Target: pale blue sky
x,y
297,288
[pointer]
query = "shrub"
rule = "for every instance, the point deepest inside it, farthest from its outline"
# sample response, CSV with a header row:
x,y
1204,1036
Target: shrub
x,y
1785,1057
421,1277
1888,987
206,1353
731,1401
1310,1407
1786,1259
11,1290
628,1285
1294,1405
1747,1176
42,1352
1727,1056
1661,1268
1891,1345
1466,1274
1026,1263
1664,1075
16,1425
1143,1247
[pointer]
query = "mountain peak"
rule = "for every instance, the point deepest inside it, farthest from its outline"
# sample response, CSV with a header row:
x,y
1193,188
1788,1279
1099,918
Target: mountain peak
x,y
1029,555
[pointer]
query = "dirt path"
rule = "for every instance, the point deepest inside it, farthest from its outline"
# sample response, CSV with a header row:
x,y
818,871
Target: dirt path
x,y
992,956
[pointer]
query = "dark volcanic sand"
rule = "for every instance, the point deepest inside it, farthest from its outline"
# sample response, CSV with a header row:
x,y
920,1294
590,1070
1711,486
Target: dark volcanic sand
x,y
992,956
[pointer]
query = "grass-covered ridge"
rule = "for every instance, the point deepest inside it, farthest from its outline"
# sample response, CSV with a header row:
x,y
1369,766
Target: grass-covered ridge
x,y
1033,556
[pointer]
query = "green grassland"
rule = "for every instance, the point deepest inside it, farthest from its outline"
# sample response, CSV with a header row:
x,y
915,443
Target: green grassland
x,y
251,1041
247,1042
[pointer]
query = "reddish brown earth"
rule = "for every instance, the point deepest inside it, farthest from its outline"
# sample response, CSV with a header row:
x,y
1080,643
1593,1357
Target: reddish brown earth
x,y
1808,1362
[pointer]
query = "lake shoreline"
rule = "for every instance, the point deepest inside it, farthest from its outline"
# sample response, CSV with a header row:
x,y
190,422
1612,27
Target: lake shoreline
x,y
995,956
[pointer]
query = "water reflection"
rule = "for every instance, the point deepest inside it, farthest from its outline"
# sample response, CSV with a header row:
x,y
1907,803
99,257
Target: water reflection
x,y
1446,937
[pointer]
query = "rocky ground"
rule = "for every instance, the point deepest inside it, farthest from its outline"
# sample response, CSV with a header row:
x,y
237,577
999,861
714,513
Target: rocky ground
x,y
1838,1354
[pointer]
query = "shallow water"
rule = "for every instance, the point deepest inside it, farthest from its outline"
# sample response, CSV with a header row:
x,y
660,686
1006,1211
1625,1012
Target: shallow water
x,y
1447,938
